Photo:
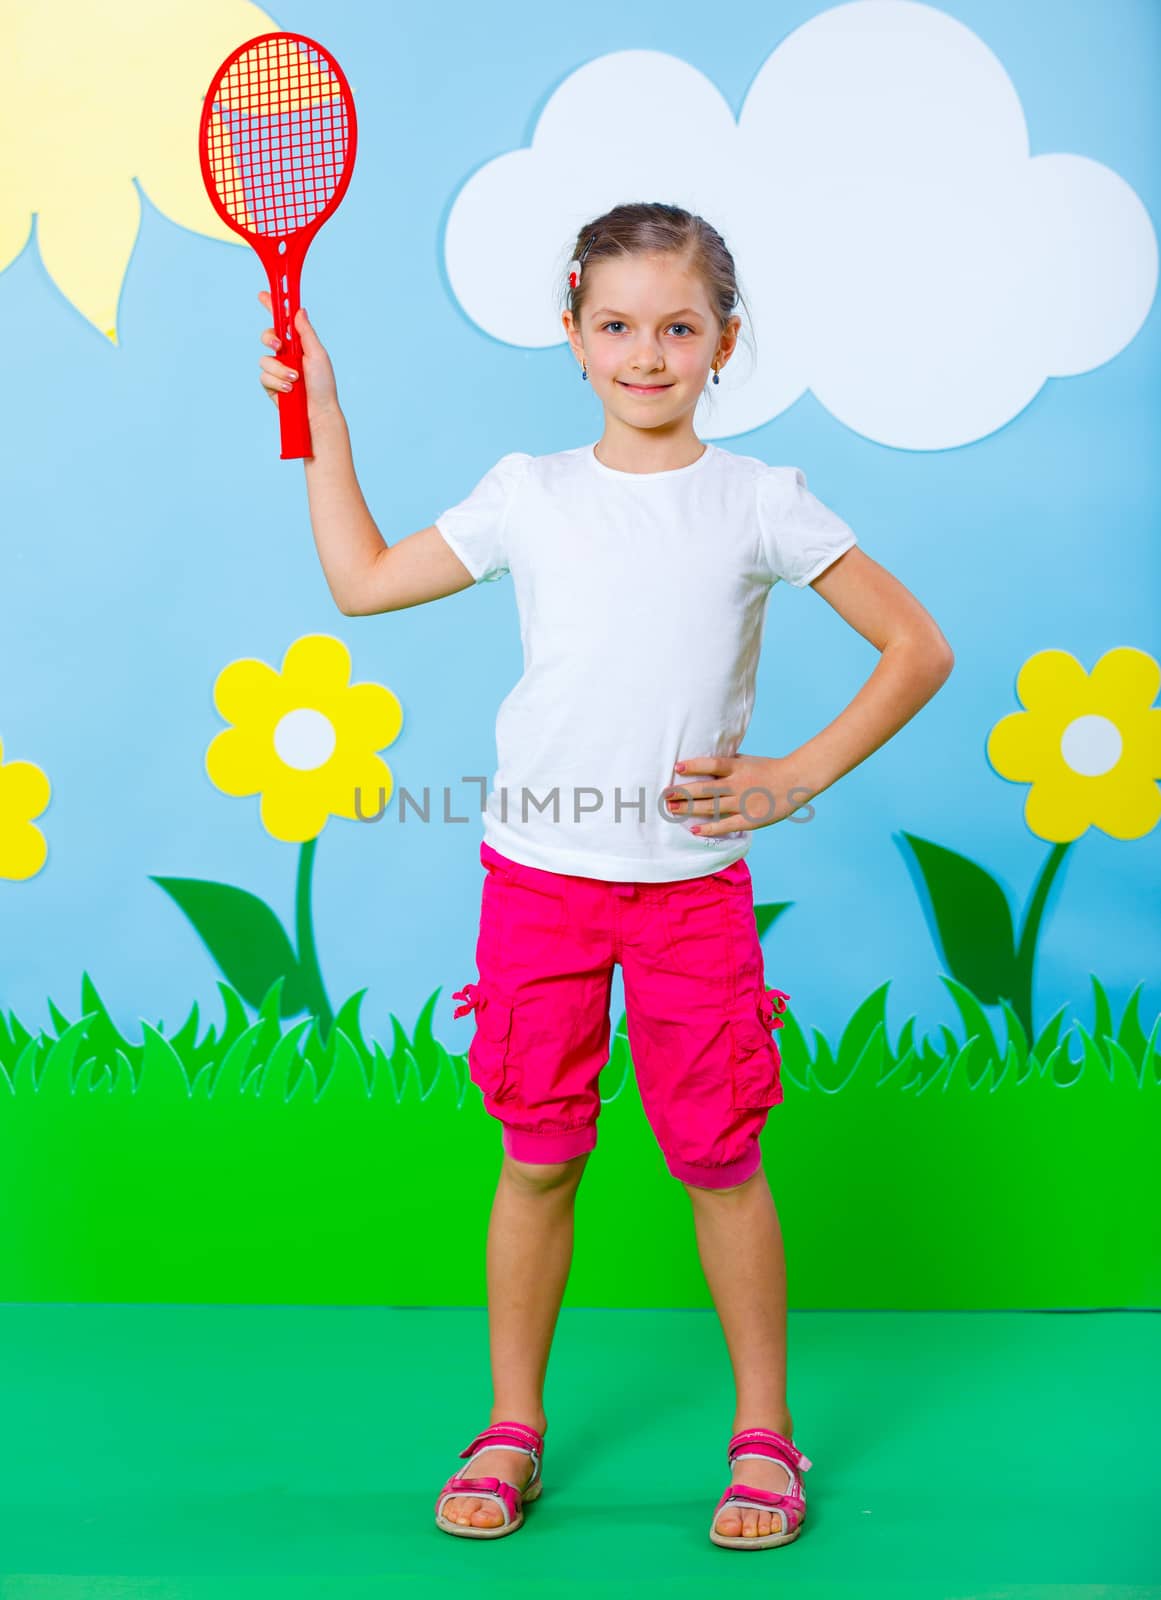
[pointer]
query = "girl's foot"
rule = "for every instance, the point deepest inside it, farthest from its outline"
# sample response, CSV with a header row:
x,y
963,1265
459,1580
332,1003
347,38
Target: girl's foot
x,y
741,1522
510,1466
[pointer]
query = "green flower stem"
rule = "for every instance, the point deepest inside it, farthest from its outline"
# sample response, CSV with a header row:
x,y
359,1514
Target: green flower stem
x,y
1030,934
304,933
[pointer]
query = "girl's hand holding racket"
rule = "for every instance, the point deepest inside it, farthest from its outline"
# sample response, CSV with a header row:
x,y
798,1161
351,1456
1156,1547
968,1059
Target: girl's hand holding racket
x,y
317,374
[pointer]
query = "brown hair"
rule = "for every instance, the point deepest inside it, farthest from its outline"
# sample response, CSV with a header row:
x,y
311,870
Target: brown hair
x,y
641,227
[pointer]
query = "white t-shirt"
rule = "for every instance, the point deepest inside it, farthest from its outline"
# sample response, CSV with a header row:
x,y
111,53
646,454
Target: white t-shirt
x,y
642,603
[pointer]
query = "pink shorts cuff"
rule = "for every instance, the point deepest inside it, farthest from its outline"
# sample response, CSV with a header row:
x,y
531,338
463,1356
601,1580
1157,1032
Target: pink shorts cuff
x,y
724,1177
545,1147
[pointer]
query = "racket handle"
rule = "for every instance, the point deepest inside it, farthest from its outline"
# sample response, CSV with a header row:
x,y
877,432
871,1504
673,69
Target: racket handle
x,y
292,414
294,422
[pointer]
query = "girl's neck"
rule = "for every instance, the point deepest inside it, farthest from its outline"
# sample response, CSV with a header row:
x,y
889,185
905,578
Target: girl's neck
x,y
647,449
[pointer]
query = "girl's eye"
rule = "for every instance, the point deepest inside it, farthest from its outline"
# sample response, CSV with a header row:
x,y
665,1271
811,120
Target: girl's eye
x,y
616,324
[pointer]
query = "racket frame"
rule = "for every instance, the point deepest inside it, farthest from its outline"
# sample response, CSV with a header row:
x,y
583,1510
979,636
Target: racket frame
x,y
283,266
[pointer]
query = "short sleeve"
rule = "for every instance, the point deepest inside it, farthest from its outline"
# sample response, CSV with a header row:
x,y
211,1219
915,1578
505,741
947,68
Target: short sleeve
x,y
800,536
475,529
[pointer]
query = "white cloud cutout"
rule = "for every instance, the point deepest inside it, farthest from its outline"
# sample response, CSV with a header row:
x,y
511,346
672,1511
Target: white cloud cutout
x,y
902,253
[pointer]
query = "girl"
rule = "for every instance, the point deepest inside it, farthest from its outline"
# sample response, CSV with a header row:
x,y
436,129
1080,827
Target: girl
x,y
642,565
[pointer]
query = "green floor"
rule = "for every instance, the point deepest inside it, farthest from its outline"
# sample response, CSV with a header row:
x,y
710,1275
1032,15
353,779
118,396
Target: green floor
x,y
170,1451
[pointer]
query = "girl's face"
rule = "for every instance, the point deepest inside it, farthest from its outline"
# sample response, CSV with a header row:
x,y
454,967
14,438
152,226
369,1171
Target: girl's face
x,y
648,338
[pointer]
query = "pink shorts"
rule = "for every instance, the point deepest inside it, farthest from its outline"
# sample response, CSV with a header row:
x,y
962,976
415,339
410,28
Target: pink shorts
x,y
699,1018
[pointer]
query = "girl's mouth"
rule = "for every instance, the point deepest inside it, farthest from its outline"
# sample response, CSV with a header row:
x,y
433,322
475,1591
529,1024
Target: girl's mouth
x,y
645,388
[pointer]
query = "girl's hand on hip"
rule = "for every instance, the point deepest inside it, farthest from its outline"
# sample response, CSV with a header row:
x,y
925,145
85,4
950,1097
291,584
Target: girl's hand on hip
x,y
735,793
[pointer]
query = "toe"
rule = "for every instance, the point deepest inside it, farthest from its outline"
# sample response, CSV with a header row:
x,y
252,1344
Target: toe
x,y
749,1524
468,1510
729,1524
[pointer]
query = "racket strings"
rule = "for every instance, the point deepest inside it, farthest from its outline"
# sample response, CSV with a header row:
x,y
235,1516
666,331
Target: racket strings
x,y
278,136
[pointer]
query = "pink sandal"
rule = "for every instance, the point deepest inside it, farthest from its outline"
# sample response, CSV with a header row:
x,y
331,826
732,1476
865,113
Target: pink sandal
x,y
511,1500
791,1506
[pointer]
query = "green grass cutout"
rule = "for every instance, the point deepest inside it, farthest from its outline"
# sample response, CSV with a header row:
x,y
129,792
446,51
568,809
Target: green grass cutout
x,y
263,1163
92,1053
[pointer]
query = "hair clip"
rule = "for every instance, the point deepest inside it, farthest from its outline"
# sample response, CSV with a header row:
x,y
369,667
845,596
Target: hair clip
x,y
575,265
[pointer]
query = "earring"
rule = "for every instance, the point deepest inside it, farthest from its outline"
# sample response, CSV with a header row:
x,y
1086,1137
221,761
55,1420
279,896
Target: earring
x,y
584,373
716,375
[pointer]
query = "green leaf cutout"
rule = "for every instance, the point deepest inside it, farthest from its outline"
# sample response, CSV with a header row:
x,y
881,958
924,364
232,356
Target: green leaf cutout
x,y
245,938
970,920
768,913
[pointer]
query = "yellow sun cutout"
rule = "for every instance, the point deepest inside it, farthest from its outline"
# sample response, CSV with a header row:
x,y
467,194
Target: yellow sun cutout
x,y
91,98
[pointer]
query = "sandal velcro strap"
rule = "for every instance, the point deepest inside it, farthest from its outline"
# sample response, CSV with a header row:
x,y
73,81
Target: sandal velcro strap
x,y
514,1435
765,1442
745,1495
508,1494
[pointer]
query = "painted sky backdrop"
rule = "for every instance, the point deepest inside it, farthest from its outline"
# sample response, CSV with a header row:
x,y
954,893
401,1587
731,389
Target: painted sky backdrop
x,y
152,535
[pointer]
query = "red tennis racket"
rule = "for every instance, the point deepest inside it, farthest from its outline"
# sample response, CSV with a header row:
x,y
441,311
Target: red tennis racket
x,y
277,146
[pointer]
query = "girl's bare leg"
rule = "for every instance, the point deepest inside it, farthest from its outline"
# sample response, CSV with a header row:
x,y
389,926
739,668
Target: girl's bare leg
x,y
530,1240
740,1244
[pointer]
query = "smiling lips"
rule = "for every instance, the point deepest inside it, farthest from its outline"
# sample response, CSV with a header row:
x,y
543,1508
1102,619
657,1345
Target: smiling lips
x,y
645,388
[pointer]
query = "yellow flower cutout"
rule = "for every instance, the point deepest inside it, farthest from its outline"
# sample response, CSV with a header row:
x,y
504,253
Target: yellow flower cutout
x,y
24,794
304,738
1089,744
91,98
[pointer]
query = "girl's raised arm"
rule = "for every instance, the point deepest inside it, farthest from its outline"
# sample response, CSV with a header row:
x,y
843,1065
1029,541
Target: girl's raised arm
x,y
410,572
364,574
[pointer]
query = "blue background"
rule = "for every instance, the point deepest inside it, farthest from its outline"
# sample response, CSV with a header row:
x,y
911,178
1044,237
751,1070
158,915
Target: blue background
x,y
152,535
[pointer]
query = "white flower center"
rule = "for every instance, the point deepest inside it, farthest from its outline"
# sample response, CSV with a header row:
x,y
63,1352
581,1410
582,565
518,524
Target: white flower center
x,y
1091,745
304,739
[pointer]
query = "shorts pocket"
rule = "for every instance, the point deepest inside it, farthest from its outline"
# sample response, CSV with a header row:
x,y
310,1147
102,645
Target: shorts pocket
x,y
520,905
488,1063
696,924
756,1062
